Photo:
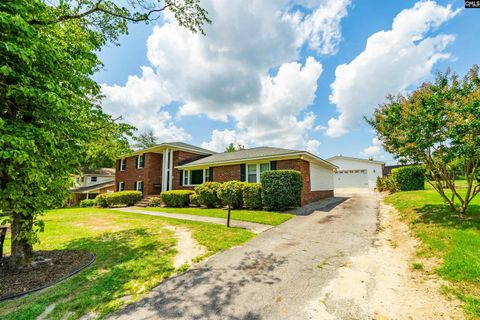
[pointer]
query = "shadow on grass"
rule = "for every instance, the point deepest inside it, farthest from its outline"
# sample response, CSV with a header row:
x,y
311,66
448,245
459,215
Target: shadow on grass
x,y
441,215
210,293
122,257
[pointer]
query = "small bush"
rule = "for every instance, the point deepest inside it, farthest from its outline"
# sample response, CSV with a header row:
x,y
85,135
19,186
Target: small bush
x,y
127,198
409,178
386,183
87,203
281,189
154,202
194,200
176,198
101,200
207,194
252,196
237,193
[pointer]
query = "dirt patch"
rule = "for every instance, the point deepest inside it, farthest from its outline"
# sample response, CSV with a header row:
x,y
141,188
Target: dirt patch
x,y
381,284
187,247
52,267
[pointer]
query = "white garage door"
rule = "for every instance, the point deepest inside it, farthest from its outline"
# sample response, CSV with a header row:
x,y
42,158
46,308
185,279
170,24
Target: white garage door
x,y
351,179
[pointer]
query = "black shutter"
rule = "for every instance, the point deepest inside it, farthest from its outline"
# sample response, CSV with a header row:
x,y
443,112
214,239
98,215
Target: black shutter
x,y
273,165
210,174
136,162
181,177
119,164
242,172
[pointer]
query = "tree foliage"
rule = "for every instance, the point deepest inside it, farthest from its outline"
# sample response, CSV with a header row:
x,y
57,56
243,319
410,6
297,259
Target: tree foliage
x,y
145,140
50,114
231,147
437,125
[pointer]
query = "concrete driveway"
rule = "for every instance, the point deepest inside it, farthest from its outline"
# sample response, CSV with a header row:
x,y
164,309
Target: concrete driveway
x,y
277,275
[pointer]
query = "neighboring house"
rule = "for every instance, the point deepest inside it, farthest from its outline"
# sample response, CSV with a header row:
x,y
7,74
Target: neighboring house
x,y
89,184
186,166
355,172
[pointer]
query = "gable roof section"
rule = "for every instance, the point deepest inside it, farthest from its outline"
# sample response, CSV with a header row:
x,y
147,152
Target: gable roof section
x,y
259,153
101,172
355,159
174,145
93,187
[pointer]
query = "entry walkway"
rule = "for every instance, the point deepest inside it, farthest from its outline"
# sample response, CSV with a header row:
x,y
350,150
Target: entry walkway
x,y
251,226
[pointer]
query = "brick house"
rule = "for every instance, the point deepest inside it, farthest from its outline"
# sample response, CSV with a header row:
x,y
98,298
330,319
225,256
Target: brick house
x,y
187,165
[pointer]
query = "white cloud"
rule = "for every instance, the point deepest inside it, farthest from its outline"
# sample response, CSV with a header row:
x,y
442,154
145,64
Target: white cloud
x,y
312,146
392,61
226,74
376,149
221,139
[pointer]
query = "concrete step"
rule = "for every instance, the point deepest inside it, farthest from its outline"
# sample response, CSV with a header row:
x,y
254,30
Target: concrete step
x,y
145,200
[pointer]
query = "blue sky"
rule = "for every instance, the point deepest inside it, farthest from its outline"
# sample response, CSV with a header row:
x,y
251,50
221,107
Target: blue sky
x,y
271,73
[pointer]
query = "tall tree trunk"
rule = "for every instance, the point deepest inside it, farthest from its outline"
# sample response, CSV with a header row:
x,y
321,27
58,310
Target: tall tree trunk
x,y
22,250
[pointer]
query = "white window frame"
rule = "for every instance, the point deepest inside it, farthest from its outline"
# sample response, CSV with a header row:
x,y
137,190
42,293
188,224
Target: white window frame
x,y
142,156
187,177
123,164
257,170
121,185
96,179
137,183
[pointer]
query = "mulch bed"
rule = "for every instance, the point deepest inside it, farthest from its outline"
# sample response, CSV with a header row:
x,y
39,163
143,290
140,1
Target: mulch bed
x,y
50,268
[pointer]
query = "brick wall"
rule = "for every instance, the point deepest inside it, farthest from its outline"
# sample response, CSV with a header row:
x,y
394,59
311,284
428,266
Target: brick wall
x,y
179,158
304,168
151,174
226,173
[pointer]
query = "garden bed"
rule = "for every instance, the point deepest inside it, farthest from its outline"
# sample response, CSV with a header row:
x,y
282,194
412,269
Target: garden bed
x,y
50,268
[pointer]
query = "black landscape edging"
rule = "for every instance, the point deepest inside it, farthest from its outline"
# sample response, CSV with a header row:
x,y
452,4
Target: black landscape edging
x,y
18,295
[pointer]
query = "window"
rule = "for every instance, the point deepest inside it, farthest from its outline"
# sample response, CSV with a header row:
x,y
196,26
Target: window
x,y
254,171
93,179
121,186
123,164
140,161
139,186
194,177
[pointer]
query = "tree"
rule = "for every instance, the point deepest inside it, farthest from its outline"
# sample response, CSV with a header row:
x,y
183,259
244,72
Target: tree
x,y
50,106
437,125
231,147
145,140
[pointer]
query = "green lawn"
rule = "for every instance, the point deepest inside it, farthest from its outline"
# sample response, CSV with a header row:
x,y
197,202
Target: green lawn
x,y
134,253
453,239
265,217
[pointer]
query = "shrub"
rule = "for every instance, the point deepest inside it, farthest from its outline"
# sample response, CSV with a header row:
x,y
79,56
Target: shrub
x,y
207,194
409,178
176,198
252,196
127,198
380,185
154,202
194,199
386,183
237,193
87,203
281,189
101,200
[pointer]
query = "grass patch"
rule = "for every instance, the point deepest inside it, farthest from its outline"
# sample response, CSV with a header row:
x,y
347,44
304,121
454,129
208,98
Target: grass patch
x,y
264,217
453,239
134,253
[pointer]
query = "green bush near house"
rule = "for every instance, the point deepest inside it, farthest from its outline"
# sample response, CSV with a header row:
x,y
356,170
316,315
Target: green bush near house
x,y
237,193
386,183
252,196
207,194
176,198
194,200
409,178
87,203
154,202
281,189
127,198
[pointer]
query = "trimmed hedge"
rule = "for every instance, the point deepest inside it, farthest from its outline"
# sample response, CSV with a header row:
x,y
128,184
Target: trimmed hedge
x,y
194,200
207,194
237,193
386,183
87,203
176,198
154,202
409,178
281,189
252,196
127,198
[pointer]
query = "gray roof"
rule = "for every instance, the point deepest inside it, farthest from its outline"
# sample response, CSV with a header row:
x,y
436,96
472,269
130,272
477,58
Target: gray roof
x,y
354,159
93,186
102,171
246,154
